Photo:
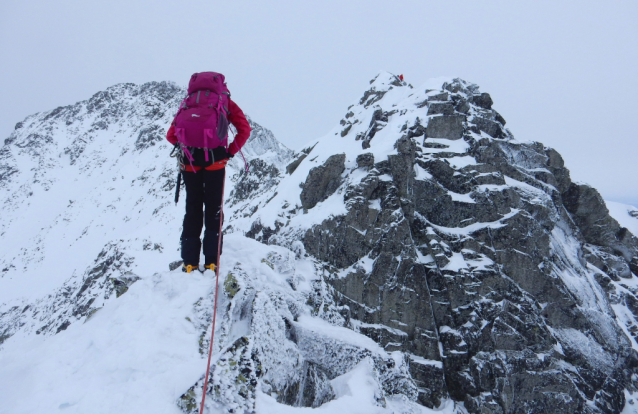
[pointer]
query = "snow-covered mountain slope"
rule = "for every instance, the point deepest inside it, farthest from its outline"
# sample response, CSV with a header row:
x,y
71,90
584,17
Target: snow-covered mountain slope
x,y
76,178
625,214
416,258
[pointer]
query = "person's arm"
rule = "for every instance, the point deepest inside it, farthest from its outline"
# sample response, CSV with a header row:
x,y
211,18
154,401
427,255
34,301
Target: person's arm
x,y
239,121
170,135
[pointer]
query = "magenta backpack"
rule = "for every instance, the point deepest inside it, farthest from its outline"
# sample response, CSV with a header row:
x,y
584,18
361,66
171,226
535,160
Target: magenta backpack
x,y
202,119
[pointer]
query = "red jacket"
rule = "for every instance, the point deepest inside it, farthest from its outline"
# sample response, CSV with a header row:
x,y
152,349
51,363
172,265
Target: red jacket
x,y
235,117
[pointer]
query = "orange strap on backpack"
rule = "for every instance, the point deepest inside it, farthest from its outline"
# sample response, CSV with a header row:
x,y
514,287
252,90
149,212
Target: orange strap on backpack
x,y
213,167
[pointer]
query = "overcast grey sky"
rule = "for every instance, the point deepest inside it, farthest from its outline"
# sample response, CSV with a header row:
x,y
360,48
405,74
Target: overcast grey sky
x,y
560,72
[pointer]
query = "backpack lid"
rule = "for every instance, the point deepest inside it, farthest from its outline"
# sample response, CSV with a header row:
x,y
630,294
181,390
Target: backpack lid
x,y
206,80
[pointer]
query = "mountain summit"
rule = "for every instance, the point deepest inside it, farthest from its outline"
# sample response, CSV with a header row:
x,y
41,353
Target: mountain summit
x,y
416,258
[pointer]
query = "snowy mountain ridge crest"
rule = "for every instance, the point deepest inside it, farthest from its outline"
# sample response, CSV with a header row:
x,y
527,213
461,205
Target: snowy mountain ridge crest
x,y
416,258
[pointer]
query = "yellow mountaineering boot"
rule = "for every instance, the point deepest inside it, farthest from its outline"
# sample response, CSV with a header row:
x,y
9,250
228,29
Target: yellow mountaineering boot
x,y
211,266
189,268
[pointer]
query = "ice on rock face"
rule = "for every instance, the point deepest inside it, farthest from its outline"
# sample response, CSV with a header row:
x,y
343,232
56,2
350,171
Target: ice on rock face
x,y
416,258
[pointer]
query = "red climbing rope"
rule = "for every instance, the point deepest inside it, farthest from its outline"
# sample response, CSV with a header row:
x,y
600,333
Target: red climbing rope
x,y
212,335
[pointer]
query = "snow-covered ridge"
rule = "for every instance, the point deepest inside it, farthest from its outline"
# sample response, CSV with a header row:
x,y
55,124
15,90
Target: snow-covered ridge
x,y
104,160
415,258
82,188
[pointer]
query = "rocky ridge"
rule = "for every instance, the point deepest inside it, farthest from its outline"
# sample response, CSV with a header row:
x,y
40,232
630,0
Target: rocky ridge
x,y
501,283
75,182
416,258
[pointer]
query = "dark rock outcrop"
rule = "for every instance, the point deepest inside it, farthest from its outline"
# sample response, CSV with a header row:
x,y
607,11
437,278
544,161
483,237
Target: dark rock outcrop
x,y
590,214
436,108
261,178
491,128
450,127
483,100
290,168
481,272
322,181
365,160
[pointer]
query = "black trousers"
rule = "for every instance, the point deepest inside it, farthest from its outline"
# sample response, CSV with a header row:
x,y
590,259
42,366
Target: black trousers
x,y
203,206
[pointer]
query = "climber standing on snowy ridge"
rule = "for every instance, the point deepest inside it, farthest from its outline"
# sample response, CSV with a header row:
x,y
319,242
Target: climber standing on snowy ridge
x,y
200,134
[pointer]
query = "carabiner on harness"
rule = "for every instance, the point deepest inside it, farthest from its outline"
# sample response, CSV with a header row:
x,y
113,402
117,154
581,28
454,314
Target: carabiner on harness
x,y
175,150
